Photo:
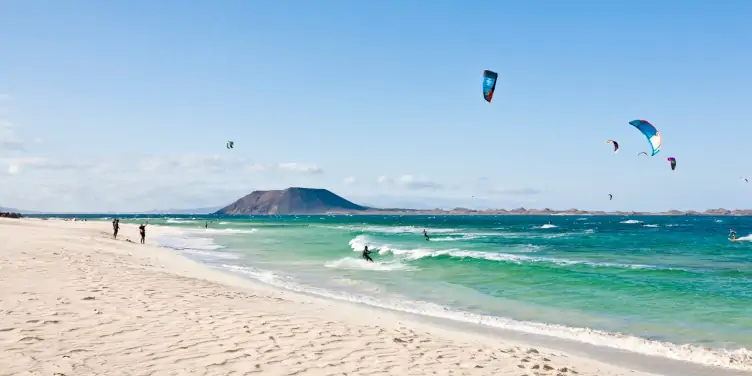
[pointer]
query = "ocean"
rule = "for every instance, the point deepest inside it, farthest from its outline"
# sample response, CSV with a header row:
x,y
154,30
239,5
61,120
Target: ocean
x,y
671,286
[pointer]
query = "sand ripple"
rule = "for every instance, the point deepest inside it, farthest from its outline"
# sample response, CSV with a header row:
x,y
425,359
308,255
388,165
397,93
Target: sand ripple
x,y
74,302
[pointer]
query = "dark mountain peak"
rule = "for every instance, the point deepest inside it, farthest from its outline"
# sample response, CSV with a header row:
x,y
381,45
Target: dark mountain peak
x,y
293,200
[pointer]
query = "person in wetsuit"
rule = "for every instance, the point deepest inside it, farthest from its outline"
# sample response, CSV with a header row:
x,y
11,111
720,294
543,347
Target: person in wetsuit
x,y
142,231
115,228
425,234
366,254
732,234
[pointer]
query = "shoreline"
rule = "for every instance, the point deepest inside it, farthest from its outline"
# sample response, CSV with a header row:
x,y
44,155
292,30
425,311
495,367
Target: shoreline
x,y
720,212
155,264
631,360
746,213
609,343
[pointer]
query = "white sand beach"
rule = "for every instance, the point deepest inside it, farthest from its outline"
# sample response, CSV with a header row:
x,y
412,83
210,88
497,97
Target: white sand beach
x,y
73,301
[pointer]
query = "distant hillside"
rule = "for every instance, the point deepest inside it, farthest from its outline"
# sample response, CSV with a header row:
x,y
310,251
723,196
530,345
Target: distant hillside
x,y
13,210
291,201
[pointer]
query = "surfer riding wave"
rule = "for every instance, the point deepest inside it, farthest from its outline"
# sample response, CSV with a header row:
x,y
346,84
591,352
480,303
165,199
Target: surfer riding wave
x,y
366,254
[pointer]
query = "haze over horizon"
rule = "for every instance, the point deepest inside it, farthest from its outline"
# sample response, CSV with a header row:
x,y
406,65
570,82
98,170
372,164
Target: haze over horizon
x,y
127,106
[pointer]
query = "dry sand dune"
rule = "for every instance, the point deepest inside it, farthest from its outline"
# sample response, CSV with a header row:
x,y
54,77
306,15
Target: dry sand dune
x,y
75,302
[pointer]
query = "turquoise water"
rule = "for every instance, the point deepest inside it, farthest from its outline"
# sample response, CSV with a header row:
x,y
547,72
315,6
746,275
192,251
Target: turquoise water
x,y
646,284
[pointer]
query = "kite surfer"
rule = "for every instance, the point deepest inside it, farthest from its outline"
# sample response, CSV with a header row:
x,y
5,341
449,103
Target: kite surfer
x,y
426,234
732,234
115,228
366,254
142,232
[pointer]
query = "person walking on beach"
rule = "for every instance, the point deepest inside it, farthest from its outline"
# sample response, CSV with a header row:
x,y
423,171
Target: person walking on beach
x,y
142,231
366,254
115,227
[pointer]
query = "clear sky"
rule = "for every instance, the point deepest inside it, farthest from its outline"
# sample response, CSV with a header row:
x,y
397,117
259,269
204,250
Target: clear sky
x,y
127,105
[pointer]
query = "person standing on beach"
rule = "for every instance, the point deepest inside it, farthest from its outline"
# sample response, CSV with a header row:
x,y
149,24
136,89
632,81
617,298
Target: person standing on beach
x,y
142,231
115,227
366,254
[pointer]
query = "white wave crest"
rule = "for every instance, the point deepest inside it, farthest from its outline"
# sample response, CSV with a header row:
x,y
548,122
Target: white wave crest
x,y
362,264
230,231
455,238
179,221
735,359
396,229
359,242
180,242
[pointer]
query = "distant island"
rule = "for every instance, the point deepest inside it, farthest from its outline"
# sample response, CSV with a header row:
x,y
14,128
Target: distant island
x,y
291,201
296,200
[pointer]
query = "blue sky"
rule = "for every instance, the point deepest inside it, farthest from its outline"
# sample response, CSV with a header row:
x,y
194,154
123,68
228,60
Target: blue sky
x,y
128,105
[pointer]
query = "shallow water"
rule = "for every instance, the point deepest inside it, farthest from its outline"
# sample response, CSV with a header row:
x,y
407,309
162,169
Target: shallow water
x,y
647,284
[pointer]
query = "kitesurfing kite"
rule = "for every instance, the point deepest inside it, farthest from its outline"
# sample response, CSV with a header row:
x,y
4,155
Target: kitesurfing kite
x,y
642,152
745,180
489,84
616,145
610,196
650,132
672,160
230,144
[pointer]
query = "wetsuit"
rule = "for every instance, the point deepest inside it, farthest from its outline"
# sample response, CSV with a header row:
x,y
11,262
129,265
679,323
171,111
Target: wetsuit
x,y
115,228
425,234
732,234
142,231
366,254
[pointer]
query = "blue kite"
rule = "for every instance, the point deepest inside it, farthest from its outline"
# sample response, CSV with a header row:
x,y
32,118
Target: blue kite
x,y
489,84
650,132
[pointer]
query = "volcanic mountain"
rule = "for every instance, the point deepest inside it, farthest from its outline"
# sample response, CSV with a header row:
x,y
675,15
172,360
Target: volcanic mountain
x,y
291,201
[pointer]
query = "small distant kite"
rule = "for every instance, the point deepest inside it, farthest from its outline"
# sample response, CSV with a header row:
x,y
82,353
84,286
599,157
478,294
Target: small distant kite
x,y
616,145
610,197
230,144
642,152
672,160
489,84
745,180
650,132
